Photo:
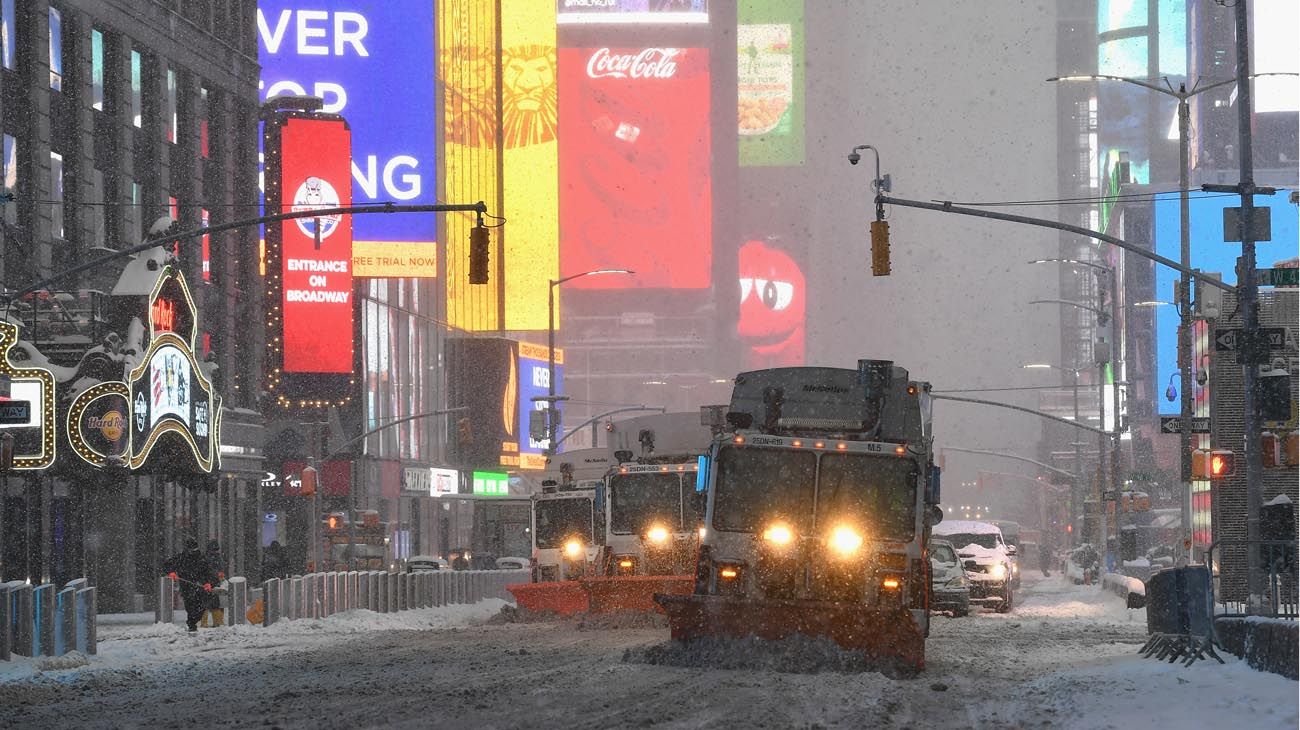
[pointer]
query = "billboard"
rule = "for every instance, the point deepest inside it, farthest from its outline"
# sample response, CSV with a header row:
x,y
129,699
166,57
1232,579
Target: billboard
x,y
534,378
315,253
770,92
773,306
635,166
373,63
1211,254
655,12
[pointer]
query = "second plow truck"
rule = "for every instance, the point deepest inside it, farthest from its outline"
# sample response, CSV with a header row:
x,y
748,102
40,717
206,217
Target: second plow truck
x,y
567,533
653,512
820,497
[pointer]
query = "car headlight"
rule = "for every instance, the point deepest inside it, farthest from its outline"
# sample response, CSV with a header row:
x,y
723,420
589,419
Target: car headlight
x,y
573,550
999,571
657,535
779,534
1015,568
844,540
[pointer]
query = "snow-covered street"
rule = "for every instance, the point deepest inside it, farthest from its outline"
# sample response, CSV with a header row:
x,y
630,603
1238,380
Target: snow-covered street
x,y
1066,657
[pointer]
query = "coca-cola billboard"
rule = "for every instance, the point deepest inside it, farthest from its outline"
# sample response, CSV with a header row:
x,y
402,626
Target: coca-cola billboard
x,y
635,166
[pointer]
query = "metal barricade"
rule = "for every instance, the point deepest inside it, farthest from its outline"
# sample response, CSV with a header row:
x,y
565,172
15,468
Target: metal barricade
x,y
1278,561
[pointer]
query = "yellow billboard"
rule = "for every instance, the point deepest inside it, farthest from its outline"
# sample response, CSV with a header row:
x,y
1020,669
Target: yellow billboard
x,y
499,145
395,259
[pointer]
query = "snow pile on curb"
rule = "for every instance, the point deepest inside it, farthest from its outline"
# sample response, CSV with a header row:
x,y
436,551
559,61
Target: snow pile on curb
x,y
133,647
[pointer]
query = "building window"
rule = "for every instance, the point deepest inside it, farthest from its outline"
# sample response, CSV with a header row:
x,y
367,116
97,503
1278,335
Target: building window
x,y
10,168
172,122
133,214
96,70
203,122
7,33
56,49
135,88
205,218
96,206
56,195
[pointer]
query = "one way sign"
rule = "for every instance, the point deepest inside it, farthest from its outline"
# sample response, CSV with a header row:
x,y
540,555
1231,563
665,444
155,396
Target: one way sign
x,y
1174,424
1227,340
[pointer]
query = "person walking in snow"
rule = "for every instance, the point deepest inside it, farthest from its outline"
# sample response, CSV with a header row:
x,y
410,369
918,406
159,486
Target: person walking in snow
x,y
195,574
274,562
217,562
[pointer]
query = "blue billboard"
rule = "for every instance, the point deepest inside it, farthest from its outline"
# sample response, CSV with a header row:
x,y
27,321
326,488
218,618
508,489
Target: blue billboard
x,y
1211,254
373,63
534,377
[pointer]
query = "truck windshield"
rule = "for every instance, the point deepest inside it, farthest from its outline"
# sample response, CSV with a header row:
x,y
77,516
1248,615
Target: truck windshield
x,y
639,501
561,519
960,540
755,487
878,493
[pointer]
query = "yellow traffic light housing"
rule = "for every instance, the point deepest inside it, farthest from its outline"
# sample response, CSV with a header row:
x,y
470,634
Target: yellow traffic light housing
x,y
1199,470
1222,463
479,243
879,248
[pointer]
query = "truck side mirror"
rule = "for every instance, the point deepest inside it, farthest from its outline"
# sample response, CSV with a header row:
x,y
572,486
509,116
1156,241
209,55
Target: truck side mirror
x,y
932,485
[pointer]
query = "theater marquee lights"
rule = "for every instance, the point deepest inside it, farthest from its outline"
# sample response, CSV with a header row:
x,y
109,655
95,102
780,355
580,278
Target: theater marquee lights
x,y
97,423
170,398
34,438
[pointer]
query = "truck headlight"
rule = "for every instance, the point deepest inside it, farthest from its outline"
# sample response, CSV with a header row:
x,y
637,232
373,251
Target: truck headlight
x,y
657,535
573,550
999,571
778,534
844,540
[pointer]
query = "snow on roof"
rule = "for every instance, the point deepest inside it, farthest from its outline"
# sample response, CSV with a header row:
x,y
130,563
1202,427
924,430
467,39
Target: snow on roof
x,y
966,527
1279,499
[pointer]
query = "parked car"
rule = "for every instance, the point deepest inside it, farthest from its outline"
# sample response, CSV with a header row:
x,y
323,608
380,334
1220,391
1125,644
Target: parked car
x,y
986,558
1011,535
949,586
424,563
512,564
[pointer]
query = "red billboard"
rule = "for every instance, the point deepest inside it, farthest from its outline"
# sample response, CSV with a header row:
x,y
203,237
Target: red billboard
x,y
316,253
635,166
773,306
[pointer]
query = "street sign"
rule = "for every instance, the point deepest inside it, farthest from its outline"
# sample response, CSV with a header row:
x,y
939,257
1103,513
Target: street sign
x,y
1261,224
1227,340
1278,277
15,412
1174,424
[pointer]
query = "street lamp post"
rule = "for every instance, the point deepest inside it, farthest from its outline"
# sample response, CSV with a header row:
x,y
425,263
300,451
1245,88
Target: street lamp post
x,y
1184,345
551,398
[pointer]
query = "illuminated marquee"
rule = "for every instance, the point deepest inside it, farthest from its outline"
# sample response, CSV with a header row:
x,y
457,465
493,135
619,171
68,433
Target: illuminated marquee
x,y
34,440
169,395
98,422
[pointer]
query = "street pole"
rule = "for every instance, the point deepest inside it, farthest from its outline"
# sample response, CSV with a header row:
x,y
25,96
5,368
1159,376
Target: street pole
x,y
1103,547
1185,355
1248,293
550,367
1076,498
1117,451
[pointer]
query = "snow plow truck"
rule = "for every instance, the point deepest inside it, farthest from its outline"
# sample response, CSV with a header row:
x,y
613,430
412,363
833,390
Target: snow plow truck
x,y
820,494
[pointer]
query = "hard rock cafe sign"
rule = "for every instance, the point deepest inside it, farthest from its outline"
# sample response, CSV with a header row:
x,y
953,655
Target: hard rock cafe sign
x,y
166,397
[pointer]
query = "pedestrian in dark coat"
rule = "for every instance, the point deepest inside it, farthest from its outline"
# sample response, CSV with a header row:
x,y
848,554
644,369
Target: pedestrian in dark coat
x,y
196,576
274,562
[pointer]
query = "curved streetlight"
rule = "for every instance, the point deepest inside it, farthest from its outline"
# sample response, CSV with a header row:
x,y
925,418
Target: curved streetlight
x,y
550,349
1102,316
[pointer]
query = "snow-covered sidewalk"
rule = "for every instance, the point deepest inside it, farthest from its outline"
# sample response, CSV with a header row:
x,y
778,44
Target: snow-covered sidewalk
x,y
134,642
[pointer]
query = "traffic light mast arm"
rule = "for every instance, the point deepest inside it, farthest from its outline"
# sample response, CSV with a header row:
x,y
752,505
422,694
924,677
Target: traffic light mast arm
x,y
479,207
390,424
947,207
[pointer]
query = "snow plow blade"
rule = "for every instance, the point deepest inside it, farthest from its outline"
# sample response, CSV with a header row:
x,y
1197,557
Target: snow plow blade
x,y
565,598
633,592
879,634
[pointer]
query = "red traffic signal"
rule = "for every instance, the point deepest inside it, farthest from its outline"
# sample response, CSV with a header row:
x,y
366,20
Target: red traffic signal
x,y
1222,463
308,481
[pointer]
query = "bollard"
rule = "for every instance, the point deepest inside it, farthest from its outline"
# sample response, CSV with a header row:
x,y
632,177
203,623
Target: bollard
x,y
327,594
383,591
345,591
284,597
363,589
440,588
309,605
24,620
269,602
87,630
373,599
358,596
43,613
65,621
238,587
426,590
392,592
295,597
6,622
165,613
399,604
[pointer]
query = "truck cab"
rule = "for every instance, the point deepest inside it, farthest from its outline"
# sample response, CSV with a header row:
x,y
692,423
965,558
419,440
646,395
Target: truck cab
x,y
568,523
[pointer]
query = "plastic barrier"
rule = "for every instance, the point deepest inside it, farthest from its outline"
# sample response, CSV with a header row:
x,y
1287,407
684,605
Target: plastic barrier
x,y
37,621
1180,615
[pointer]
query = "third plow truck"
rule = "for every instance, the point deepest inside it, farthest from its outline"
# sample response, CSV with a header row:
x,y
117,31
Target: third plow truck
x,y
820,496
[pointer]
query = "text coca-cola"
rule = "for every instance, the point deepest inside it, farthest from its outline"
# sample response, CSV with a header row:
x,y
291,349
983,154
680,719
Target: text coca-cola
x,y
651,63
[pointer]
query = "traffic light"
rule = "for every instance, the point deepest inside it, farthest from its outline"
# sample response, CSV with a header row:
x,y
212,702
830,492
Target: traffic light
x,y
478,255
1291,449
1270,450
880,248
464,432
1199,470
308,481
1222,463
